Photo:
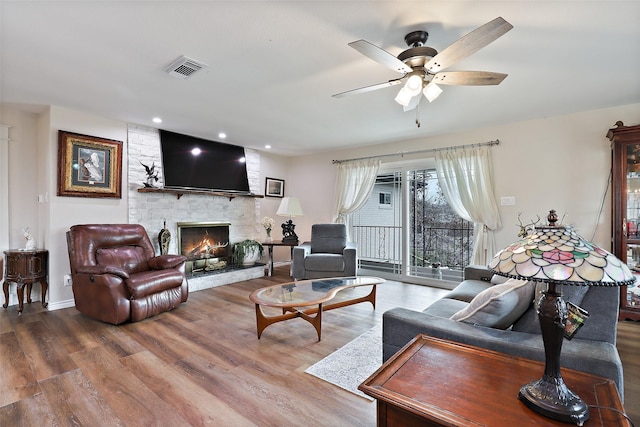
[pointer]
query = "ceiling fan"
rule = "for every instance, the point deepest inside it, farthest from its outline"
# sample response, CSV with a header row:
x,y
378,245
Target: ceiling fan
x,y
421,66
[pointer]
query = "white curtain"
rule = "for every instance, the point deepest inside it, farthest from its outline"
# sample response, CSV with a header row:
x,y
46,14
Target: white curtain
x,y
465,176
354,183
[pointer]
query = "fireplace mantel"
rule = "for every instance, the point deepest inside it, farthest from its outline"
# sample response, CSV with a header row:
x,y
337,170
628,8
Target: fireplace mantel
x,y
180,193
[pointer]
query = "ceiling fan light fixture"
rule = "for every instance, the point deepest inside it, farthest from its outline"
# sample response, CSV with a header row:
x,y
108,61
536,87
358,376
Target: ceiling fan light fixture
x,y
414,84
403,97
432,91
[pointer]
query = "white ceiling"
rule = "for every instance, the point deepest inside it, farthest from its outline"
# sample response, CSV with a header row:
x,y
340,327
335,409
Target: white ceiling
x,y
273,65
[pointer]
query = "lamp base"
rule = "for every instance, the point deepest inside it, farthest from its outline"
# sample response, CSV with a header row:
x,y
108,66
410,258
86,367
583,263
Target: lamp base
x,y
553,399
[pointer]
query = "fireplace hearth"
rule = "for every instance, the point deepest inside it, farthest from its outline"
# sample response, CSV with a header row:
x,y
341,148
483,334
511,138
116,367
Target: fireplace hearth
x,y
206,246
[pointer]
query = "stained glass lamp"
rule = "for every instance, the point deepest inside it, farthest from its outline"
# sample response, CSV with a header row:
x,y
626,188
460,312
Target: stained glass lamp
x,y
556,255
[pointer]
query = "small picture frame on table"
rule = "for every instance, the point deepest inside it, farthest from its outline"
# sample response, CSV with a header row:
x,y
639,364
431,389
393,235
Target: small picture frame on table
x,y
89,166
274,187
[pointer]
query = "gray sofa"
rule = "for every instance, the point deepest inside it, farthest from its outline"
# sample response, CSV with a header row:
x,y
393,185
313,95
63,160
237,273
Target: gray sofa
x,y
592,349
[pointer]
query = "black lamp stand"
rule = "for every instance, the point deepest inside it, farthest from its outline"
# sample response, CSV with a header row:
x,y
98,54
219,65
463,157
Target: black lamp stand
x,y
549,395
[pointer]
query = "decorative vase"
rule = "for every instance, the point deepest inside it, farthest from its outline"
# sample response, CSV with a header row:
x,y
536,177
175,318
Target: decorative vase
x,y
268,240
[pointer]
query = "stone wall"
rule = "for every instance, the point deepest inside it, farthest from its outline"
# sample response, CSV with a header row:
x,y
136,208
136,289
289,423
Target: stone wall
x,y
152,210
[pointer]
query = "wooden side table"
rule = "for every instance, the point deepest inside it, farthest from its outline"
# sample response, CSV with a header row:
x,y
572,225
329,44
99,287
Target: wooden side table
x,y
26,267
434,382
270,246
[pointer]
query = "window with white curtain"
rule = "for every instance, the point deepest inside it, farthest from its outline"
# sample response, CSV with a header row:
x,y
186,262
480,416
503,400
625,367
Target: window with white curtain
x,y
418,238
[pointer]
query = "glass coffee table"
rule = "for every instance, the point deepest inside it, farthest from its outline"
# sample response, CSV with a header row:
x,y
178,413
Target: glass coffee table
x,y
305,298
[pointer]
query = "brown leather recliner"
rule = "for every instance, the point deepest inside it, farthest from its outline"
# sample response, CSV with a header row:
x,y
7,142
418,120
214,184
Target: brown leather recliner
x,y
117,277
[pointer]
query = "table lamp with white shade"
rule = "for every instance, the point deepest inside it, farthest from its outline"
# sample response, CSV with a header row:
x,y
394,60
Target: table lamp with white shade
x,y
289,206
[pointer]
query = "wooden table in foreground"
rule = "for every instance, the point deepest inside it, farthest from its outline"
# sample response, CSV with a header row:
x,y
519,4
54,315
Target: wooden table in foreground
x,y
298,299
434,382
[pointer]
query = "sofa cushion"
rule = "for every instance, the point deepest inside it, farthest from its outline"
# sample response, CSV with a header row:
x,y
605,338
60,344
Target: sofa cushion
x,y
468,290
328,238
529,322
445,307
498,306
324,262
131,259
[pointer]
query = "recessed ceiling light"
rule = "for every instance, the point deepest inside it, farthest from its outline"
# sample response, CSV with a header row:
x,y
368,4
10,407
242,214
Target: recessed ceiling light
x,y
222,135
268,147
157,120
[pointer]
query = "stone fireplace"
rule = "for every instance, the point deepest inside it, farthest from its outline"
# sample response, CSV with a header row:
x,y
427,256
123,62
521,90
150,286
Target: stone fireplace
x,y
206,246
163,210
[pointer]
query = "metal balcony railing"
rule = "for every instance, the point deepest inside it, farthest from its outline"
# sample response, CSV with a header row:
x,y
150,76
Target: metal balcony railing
x,y
379,248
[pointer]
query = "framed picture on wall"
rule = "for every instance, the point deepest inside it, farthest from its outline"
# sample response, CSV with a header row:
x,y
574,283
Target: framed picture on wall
x,y
274,187
89,166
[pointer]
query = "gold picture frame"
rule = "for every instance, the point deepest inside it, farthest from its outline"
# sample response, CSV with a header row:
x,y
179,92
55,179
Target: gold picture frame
x,y
89,166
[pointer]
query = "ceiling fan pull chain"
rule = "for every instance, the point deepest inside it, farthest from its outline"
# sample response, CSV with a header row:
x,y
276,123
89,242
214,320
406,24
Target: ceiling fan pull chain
x,y
418,115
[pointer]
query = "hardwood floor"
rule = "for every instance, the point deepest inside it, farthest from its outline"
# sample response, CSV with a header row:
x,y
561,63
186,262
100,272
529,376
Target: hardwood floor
x,y
200,364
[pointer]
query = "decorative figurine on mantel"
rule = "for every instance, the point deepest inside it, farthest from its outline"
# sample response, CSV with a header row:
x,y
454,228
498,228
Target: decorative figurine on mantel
x,y
152,175
31,241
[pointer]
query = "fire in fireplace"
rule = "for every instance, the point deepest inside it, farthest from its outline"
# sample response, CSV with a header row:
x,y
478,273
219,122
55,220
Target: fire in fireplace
x,y
205,244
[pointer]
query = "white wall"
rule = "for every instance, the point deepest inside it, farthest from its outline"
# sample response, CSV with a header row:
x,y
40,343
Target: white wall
x,y
21,183
559,163
23,176
272,166
63,212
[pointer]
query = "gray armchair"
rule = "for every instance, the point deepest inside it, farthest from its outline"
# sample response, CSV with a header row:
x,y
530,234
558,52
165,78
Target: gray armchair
x,y
328,254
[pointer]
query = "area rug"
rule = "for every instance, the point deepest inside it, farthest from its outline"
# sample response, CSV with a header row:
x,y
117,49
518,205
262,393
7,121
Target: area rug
x,y
353,363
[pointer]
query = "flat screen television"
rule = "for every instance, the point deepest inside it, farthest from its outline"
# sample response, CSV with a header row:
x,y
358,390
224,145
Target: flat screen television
x,y
199,164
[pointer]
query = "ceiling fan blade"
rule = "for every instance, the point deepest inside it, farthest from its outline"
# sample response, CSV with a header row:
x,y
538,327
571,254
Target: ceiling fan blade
x,y
468,78
413,104
468,44
368,88
380,55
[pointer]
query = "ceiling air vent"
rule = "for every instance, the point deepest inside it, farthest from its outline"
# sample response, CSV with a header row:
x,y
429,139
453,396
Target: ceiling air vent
x,y
184,67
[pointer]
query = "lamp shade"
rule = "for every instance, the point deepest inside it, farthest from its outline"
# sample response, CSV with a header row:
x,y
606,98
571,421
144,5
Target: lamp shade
x,y
432,91
557,254
403,97
289,206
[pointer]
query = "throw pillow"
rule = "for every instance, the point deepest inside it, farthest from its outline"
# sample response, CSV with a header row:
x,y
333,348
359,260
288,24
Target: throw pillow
x,y
498,306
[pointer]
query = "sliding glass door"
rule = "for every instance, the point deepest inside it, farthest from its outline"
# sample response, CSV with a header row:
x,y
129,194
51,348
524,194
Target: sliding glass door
x,y
407,231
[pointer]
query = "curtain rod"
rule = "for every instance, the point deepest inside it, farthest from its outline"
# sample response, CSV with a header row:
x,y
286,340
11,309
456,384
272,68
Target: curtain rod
x,y
408,153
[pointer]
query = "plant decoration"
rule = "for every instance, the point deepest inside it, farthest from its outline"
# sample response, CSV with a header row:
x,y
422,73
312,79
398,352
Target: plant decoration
x,y
268,224
152,174
246,248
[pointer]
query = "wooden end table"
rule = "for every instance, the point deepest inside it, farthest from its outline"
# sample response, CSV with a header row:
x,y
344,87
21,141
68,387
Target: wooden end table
x,y
25,267
270,246
435,382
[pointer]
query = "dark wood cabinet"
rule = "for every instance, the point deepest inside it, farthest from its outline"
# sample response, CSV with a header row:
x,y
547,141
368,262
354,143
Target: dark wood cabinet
x,y
25,267
625,196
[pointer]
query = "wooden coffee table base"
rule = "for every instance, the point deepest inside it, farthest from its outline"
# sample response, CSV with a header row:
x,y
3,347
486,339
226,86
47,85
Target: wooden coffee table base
x,y
263,321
